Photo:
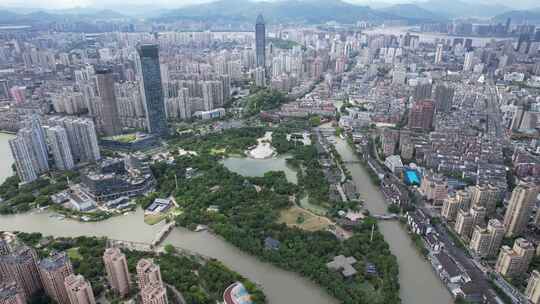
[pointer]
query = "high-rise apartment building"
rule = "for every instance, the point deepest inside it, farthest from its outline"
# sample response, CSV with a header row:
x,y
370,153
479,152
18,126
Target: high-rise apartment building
x,y
479,215
260,42
4,247
59,147
29,149
82,137
153,98
10,293
423,90
20,266
23,160
515,261
154,293
54,270
117,270
485,196
450,208
533,288
421,115
480,241
485,242
520,208
496,232
468,62
79,290
444,97
439,54
148,272
464,224
109,118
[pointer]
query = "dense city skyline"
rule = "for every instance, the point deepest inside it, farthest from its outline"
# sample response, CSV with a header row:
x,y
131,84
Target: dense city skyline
x,y
390,155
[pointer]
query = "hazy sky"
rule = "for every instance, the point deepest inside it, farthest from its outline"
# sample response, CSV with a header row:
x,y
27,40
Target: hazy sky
x,y
60,4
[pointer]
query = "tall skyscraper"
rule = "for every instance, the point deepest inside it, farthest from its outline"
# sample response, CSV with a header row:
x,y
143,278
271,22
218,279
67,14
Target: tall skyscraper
x,y
520,208
59,146
110,120
10,293
148,272
260,42
79,290
469,61
54,270
117,270
439,54
21,267
153,98
533,288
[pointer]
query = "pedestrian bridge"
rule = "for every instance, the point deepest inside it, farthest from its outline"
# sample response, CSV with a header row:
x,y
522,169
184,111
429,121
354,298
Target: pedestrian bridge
x,y
386,217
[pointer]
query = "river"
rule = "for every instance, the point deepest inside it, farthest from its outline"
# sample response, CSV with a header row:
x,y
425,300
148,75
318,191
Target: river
x,y
6,159
419,284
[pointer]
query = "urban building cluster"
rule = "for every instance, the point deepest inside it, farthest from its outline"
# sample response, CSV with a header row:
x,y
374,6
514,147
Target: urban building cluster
x,y
451,124
23,276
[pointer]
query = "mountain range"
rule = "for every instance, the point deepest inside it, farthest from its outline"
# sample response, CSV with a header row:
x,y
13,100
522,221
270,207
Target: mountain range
x,y
309,11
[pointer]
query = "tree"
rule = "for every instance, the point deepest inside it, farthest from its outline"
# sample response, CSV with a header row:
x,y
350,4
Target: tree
x,y
169,249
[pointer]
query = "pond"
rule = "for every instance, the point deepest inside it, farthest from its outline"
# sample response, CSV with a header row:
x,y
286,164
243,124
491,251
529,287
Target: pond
x,y
258,167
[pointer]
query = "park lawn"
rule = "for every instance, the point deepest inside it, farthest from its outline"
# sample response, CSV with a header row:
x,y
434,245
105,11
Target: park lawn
x,y
73,254
216,151
152,219
311,222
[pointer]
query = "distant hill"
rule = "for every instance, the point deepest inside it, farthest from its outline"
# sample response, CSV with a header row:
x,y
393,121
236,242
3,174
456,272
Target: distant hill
x,y
310,11
460,9
413,11
44,17
520,17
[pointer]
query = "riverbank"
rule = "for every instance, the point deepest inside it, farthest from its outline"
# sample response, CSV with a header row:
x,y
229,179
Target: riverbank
x,y
280,286
195,278
426,287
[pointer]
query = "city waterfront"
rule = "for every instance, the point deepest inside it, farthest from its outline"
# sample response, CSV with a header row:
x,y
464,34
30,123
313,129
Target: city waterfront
x,y
280,286
419,283
7,159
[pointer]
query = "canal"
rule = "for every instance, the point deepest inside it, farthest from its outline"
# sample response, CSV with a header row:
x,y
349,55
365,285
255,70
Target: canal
x,y
419,284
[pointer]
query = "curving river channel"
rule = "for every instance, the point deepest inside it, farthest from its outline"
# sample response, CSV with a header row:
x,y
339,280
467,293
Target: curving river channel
x,y
419,284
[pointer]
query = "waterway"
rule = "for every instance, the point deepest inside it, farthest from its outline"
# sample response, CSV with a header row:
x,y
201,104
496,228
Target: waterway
x,y
6,159
419,284
431,37
280,286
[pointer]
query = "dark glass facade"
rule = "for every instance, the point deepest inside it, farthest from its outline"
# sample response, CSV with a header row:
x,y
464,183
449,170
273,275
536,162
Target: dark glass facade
x,y
153,91
260,42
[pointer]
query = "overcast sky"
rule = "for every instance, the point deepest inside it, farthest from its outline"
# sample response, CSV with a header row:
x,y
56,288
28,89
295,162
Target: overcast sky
x,y
61,4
